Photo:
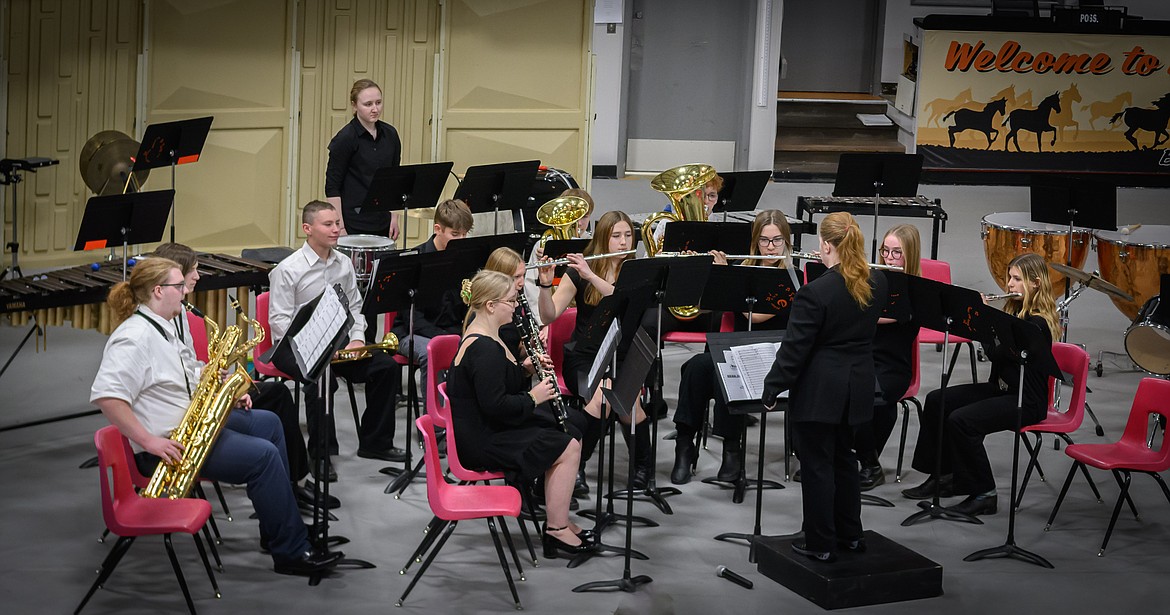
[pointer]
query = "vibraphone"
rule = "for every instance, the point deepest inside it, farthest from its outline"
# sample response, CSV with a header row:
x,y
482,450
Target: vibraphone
x,y
893,206
78,294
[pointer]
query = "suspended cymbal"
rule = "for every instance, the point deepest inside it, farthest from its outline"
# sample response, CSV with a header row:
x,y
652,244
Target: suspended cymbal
x,y
1072,273
106,160
1092,280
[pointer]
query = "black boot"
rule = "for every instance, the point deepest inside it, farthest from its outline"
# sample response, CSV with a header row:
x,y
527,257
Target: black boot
x,y
731,468
640,451
685,454
872,474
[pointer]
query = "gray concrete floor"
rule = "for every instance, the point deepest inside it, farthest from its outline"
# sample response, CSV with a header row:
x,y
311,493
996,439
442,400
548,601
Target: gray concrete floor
x,y
48,547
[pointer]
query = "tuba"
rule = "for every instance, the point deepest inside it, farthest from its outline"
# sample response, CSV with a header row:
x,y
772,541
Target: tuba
x,y
683,186
561,214
211,403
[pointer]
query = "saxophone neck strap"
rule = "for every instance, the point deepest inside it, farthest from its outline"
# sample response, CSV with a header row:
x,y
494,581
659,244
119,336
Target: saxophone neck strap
x,y
163,333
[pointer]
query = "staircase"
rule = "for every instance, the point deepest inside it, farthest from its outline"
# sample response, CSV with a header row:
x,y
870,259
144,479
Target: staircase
x,y
813,129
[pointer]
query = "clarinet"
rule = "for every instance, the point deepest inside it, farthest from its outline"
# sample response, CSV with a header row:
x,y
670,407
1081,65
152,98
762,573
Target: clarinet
x,y
530,336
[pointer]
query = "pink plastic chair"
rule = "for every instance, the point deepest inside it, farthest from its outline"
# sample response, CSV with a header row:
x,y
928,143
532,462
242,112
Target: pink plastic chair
x,y
198,329
909,397
129,515
1132,453
455,503
559,333
940,271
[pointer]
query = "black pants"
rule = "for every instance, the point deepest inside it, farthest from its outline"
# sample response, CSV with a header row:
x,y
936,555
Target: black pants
x,y
830,484
275,397
696,389
376,431
972,412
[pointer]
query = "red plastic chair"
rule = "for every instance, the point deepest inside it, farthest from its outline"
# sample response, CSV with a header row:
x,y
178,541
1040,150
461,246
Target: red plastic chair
x,y
940,271
455,503
909,397
559,333
198,329
129,515
1132,453
441,352
1072,360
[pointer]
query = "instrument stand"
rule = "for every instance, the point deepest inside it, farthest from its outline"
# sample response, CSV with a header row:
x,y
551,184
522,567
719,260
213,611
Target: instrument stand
x,y
406,474
866,175
494,187
12,177
35,328
136,217
406,186
171,144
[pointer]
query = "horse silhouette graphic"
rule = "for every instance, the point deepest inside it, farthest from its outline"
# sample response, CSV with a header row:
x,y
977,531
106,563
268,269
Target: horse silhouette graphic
x,y
1107,108
983,120
1151,120
1033,120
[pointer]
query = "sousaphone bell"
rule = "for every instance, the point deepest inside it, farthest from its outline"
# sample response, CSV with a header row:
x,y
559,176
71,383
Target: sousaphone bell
x,y
684,187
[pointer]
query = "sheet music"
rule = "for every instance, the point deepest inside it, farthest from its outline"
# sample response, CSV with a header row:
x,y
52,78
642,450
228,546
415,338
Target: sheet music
x,y
753,361
602,357
316,337
732,383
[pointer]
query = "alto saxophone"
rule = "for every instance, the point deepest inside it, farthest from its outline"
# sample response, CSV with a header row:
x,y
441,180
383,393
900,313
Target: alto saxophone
x,y
530,336
211,403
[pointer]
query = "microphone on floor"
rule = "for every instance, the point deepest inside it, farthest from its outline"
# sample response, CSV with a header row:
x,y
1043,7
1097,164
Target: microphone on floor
x,y
726,573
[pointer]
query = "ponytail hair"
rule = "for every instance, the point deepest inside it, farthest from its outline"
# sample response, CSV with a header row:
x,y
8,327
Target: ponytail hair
x,y
841,231
125,297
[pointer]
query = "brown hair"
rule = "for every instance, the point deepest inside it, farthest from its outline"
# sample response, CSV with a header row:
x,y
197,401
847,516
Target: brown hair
x,y
454,214
125,297
599,244
579,193
840,230
311,208
181,254
911,242
1035,302
485,286
777,218
358,86
716,182
505,260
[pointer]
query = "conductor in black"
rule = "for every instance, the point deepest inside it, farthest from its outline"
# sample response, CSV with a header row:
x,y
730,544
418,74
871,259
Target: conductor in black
x,y
826,364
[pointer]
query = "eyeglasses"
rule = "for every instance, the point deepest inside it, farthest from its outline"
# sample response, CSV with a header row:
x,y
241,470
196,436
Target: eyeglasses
x,y
511,302
896,252
178,285
773,241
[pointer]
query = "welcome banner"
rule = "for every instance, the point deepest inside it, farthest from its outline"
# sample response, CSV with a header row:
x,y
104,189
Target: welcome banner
x,y
1029,101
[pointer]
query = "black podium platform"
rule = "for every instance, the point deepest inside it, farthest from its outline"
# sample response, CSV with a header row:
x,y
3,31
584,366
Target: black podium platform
x,y
886,572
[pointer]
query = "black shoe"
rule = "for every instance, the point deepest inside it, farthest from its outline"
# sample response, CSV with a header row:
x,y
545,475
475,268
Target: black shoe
x,y
304,496
553,545
731,469
581,487
801,548
393,454
976,505
750,420
308,562
588,536
657,409
685,454
796,476
925,491
872,476
641,477
315,470
855,546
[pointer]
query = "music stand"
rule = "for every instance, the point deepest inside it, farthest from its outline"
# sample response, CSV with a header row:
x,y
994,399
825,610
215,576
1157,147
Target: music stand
x,y
137,217
693,236
876,175
492,187
762,290
676,281
623,399
305,353
172,144
406,186
741,191
1027,344
950,309
469,254
555,249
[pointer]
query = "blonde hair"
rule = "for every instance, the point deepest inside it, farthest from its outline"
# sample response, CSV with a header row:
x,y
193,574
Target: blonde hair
x,y
1038,301
454,214
125,297
599,244
911,243
484,287
505,260
779,220
840,230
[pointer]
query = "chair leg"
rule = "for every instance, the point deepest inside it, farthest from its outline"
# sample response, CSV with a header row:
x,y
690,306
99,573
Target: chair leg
x,y
512,547
178,572
102,538
206,564
427,563
211,544
211,519
528,541
430,534
504,563
1063,490
357,424
1162,484
227,512
902,441
971,354
108,565
1118,476
1117,508
1033,452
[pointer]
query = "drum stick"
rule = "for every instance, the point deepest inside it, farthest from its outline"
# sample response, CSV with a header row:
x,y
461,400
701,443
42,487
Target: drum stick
x,y
1125,230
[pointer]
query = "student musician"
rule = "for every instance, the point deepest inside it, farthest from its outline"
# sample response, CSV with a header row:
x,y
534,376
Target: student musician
x,y
826,363
975,410
771,238
701,322
300,278
893,349
532,279
586,282
453,221
497,426
362,146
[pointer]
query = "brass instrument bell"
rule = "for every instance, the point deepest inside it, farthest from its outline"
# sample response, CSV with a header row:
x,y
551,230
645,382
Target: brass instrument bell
x,y
561,215
683,186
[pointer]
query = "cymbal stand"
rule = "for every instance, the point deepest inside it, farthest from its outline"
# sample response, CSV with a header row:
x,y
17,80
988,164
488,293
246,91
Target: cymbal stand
x,y
405,475
12,178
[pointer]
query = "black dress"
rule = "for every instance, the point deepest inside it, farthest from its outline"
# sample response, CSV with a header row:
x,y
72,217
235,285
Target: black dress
x,y
578,359
497,425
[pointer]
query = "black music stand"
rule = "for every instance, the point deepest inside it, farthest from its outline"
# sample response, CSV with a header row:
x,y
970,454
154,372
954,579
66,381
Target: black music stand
x,y
623,399
741,191
727,237
877,175
137,217
406,186
1028,346
305,353
763,290
555,249
171,144
950,309
401,284
492,187
10,170
469,254
676,281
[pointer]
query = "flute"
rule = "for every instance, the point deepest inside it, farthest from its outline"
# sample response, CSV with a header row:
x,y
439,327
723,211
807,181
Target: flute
x,y
816,257
1003,296
565,261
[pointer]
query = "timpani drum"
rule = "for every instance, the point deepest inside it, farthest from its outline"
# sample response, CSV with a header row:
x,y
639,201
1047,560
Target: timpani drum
x,y
1134,262
364,251
1147,340
1009,234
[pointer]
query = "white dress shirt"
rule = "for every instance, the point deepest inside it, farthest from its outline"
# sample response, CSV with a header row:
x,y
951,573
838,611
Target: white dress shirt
x,y
156,374
303,275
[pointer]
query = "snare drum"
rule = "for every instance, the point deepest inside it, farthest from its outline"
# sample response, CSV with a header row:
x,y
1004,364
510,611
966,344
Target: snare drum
x,y
1009,234
1134,263
364,251
1147,340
